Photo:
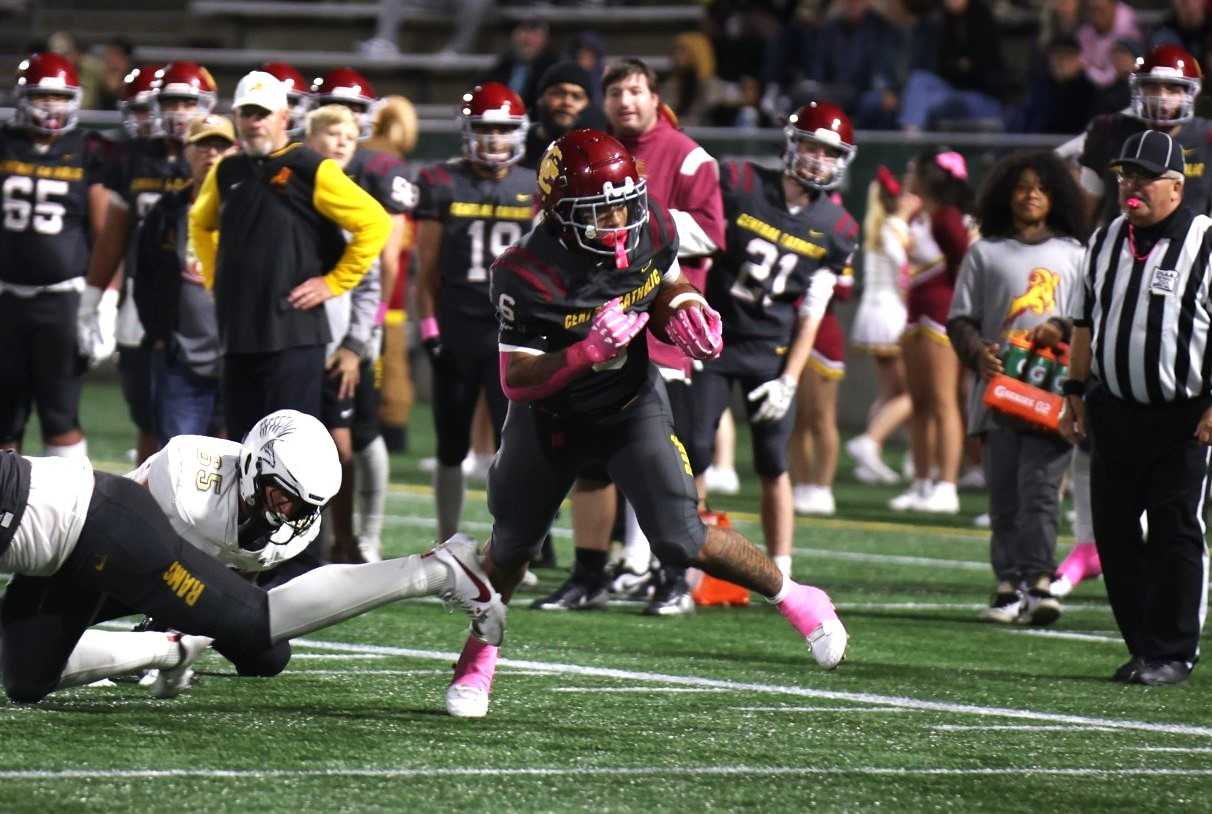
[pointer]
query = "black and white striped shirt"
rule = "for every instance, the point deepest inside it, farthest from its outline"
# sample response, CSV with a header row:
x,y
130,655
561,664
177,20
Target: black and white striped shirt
x,y
1150,318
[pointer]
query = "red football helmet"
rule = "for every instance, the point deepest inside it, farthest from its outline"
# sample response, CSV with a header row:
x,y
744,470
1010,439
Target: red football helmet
x,y
345,86
819,123
298,94
583,177
1173,78
493,106
184,91
138,101
48,94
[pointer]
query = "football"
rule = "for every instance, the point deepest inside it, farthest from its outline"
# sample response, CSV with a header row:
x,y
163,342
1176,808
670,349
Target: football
x,y
660,311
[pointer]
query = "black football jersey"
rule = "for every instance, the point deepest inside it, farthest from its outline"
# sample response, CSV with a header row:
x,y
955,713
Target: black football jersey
x,y
385,177
546,296
140,171
45,239
771,254
1105,136
481,218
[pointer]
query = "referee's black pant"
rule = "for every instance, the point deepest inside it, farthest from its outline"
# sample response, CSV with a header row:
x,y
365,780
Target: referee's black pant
x,y
256,384
1146,459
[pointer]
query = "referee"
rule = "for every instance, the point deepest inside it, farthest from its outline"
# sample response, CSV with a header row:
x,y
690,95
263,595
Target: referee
x,y
1142,360
274,216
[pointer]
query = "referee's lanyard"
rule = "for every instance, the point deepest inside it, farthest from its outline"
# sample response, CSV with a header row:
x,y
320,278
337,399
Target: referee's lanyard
x,y
1132,245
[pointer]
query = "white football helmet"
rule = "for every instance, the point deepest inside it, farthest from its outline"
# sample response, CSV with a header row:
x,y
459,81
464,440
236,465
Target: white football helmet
x,y
293,452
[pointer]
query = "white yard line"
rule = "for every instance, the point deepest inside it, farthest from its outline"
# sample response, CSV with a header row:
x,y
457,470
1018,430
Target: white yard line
x,y
944,606
1193,750
340,656
892,559
430,773
644,690
1009,728
1063,634
903,702
846,710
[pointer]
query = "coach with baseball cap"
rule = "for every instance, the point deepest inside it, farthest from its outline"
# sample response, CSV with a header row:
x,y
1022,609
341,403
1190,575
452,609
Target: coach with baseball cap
x,y
267,229
1139,393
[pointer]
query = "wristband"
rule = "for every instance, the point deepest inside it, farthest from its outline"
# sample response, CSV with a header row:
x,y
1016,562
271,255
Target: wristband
x,y
381,314
687,296
1073,387
429,328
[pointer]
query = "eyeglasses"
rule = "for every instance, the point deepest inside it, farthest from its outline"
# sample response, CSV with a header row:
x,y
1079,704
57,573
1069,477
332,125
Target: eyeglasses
x,y
1133,176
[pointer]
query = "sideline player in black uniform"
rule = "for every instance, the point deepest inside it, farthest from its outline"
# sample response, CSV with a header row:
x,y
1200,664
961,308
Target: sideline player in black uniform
x,y
787,242
54,204
142,171
471,210
573,299
1164,87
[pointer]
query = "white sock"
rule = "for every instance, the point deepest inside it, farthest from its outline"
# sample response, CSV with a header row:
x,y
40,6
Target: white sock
x,y
76,450
104,653
783,563
448,497
370,481
788,584
637,553
334,593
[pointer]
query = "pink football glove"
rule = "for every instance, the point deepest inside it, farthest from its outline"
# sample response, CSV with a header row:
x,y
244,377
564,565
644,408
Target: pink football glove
x,y
611,331
697,331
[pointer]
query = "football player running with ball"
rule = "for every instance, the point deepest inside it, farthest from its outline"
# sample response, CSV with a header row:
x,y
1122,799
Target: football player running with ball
x,y
573,300
787,244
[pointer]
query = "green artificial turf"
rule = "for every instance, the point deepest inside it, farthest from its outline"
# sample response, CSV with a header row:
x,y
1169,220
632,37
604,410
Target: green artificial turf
x,y
613,711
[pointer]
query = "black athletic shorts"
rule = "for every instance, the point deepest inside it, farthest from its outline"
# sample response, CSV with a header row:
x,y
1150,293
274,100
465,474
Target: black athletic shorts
x,y
40,364
359,412
136,366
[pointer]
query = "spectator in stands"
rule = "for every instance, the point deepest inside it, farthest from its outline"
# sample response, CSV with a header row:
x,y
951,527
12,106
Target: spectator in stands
x,y
177,312
565,103
1118,95
1188,25
857,51
529,55
1105,22
1058,18
1064,99
252,248
693,90
790,55
588,50
116,63
394,132
959,73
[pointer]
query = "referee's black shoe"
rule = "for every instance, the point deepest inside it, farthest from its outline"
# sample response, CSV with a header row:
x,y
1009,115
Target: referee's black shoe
x,y
1127,672
1155,673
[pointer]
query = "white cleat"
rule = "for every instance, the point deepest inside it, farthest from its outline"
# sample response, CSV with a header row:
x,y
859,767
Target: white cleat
x,y
828,641
371,548
470,588
466,701
172,682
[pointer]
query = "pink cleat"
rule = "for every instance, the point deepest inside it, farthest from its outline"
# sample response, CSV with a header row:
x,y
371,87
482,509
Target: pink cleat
x,y
467,695
810,612
1081,564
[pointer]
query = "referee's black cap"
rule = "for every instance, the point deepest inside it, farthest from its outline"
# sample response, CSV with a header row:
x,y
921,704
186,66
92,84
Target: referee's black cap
x,y
1151,151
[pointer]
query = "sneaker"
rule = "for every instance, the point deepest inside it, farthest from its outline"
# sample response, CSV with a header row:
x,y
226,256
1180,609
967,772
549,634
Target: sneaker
x,y
1005,607
866,453
942,499
828,643
983,521
972,480
429,465
672,597
814,500
1040,607
470,588
721,481
1061,586
908,499
574,594
475,467
172,682
529,580
628,583
864,475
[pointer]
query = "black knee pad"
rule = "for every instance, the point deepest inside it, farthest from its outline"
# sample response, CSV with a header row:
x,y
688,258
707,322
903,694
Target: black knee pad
x,y
679,553
263,664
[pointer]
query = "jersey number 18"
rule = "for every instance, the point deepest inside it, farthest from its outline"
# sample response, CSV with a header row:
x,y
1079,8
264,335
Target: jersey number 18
x,y
502,235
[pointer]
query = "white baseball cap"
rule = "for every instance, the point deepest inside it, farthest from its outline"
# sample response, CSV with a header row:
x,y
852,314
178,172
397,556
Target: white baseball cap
x,y
261,89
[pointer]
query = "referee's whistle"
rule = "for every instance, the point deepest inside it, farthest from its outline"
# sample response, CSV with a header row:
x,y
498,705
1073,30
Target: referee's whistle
x,y
1133,202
